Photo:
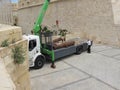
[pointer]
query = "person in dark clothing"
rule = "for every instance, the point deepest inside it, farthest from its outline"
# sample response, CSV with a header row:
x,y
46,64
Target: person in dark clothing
x,y
89,46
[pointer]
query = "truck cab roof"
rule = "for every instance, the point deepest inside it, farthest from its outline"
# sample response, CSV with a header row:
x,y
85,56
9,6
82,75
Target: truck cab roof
x,y
29,37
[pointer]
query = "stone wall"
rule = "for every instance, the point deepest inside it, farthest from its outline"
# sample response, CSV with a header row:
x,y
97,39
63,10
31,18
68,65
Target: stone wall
x,y
10,33
6,82
6,12
116,11
28,3
85,18
19,73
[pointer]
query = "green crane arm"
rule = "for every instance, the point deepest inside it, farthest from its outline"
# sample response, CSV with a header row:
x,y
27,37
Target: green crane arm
x,y
37,26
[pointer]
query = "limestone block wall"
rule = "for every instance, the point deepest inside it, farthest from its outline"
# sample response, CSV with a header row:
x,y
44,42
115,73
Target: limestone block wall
x,y
19,73
10,33
116,11
6,12
6,82
27,3
92,19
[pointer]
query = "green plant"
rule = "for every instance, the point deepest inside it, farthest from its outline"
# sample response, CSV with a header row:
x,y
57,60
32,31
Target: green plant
x,y
63,33
18,55
45,30
5,43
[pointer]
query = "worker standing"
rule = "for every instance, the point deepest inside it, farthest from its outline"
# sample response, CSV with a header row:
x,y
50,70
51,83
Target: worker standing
x,y
89,42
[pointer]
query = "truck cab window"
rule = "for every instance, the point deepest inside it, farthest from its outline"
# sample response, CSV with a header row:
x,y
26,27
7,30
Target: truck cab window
x,y
32,44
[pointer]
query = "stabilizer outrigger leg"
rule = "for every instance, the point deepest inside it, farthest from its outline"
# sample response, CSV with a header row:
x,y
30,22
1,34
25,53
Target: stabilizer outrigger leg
x,y
53,65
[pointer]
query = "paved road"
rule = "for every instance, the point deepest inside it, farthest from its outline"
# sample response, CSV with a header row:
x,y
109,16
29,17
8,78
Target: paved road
x,y
99,70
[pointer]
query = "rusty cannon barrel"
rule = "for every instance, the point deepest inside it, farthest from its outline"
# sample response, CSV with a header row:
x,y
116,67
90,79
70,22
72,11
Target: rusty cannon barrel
x,y
57,40
63,45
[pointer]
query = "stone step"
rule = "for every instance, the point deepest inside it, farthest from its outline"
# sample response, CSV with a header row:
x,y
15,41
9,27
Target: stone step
x,y
10,33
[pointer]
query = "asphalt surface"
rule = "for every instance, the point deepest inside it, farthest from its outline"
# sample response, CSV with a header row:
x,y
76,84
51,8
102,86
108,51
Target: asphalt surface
x,y
99,70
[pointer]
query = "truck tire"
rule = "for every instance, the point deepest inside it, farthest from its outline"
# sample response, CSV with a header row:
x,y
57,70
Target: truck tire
x,y
79,50
39,62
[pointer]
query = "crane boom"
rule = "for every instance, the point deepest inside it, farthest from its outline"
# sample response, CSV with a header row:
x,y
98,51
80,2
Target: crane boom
x,y
37,26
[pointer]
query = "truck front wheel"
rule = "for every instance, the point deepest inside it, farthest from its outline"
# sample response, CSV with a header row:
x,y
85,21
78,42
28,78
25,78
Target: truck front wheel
x,y
39,62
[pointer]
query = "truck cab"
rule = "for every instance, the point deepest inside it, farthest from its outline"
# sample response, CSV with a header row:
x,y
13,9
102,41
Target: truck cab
x,y
36,59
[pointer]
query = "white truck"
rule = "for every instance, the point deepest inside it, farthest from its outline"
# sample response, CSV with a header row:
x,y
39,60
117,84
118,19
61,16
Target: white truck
x,y
41,44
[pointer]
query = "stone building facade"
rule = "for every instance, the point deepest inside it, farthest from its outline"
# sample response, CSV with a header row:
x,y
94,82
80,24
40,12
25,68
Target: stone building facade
x,y
14,7
92,19
116,11
6,12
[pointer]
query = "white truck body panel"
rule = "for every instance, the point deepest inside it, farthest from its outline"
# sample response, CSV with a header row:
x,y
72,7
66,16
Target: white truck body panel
x,y
33,47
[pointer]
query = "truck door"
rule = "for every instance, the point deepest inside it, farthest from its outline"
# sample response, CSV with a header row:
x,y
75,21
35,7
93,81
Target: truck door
x,y
32,48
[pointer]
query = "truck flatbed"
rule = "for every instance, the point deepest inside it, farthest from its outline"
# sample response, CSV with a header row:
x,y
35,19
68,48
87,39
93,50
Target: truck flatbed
x,y
75,49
